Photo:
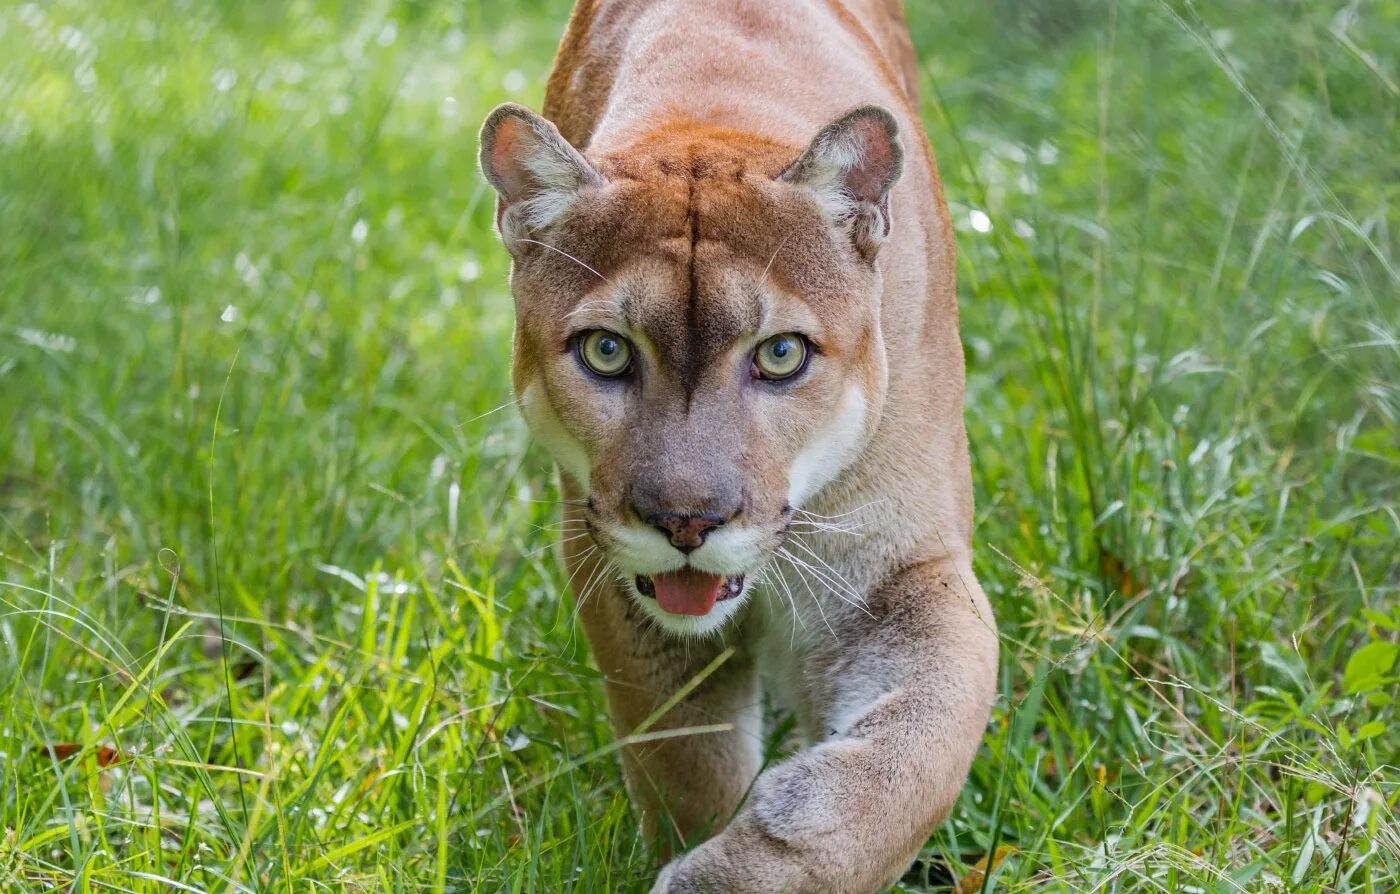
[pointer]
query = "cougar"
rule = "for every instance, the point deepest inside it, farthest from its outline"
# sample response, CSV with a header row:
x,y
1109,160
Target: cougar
x,y
737,335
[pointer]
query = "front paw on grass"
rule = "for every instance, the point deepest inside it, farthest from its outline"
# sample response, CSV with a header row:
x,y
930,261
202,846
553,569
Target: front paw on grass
x,y
664,880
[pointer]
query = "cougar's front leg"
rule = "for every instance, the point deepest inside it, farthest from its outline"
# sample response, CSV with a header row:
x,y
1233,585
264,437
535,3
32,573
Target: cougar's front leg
x,y
685,787
910,693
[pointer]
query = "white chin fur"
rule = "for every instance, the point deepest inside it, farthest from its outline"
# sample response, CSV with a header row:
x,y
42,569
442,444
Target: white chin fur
x,y
689,625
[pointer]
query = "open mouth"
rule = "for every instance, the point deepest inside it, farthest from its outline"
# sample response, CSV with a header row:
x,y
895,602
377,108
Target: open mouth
x,y
689,591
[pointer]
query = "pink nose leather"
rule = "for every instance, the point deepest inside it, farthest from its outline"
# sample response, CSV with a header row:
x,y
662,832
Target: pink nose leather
x,y
686,532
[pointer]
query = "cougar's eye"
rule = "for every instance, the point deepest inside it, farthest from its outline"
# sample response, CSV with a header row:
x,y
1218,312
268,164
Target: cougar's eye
x,y
780,357
604,352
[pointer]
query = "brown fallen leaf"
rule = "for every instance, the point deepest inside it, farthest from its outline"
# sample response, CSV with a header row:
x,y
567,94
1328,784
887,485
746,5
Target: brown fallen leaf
x,y
1118,574
211,644
62,752
105,756
977,876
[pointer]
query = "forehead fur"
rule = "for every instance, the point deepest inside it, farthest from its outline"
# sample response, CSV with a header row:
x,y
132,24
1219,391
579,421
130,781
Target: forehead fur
x,y
690,219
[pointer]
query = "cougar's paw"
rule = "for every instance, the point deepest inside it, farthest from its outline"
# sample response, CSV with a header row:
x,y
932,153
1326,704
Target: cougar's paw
x,y
737,861
664,880
661,881
701,871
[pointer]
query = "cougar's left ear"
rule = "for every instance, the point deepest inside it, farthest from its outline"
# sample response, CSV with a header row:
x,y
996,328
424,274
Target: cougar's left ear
x,y
536,173
851,167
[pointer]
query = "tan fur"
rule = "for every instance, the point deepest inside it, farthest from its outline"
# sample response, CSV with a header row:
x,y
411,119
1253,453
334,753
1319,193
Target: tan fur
x,y
708,186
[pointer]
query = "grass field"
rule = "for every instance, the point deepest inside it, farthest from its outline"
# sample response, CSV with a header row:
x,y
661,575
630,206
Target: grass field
x,y
278,610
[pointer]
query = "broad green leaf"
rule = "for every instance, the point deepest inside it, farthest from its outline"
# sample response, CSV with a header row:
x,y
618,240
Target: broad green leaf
x,y
1368,665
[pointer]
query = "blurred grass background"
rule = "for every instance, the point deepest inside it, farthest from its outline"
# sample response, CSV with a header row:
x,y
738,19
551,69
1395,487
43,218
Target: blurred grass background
x,y
277,607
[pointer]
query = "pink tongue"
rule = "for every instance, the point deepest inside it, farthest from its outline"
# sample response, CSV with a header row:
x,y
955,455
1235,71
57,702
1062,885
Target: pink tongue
x,y
687,592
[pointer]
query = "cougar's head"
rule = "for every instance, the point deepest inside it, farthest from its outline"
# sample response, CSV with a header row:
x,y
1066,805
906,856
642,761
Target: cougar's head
x,y
697,334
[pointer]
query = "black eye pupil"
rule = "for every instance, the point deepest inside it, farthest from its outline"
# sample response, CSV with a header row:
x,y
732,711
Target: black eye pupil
x,y
780,349
607,346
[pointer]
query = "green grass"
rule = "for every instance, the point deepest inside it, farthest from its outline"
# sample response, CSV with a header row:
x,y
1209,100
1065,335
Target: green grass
x,y
261,532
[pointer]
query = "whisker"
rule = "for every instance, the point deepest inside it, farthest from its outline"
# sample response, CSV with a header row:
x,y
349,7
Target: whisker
x,y
604,302
851,526
568,585
564,253
584,592
562,526
796,616
606,570
825,528
860,508
787,588
850,587
595,580
539,549
514,401
831,584
769,266
810,592
582,560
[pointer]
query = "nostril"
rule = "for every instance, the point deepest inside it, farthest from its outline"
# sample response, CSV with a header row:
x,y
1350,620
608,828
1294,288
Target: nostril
x,y
671,535
686,532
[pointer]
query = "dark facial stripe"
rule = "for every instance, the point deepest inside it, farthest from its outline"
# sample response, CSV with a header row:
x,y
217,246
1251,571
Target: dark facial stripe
x,y
691,376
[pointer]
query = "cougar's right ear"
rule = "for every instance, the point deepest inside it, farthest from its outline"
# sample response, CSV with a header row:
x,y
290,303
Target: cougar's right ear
x,y
536,173
850,168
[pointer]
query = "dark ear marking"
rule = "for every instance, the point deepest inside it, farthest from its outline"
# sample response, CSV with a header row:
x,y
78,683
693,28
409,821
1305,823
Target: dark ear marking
x,y
851,166
536,173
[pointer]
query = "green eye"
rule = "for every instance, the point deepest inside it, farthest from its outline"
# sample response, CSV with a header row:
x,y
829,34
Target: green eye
x,y
604,352
780,357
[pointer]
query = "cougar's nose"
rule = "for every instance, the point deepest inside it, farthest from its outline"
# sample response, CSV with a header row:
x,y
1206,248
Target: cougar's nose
x,y
686,532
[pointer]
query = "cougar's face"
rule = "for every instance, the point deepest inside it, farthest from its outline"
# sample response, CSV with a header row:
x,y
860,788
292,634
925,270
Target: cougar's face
x,y
698,346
